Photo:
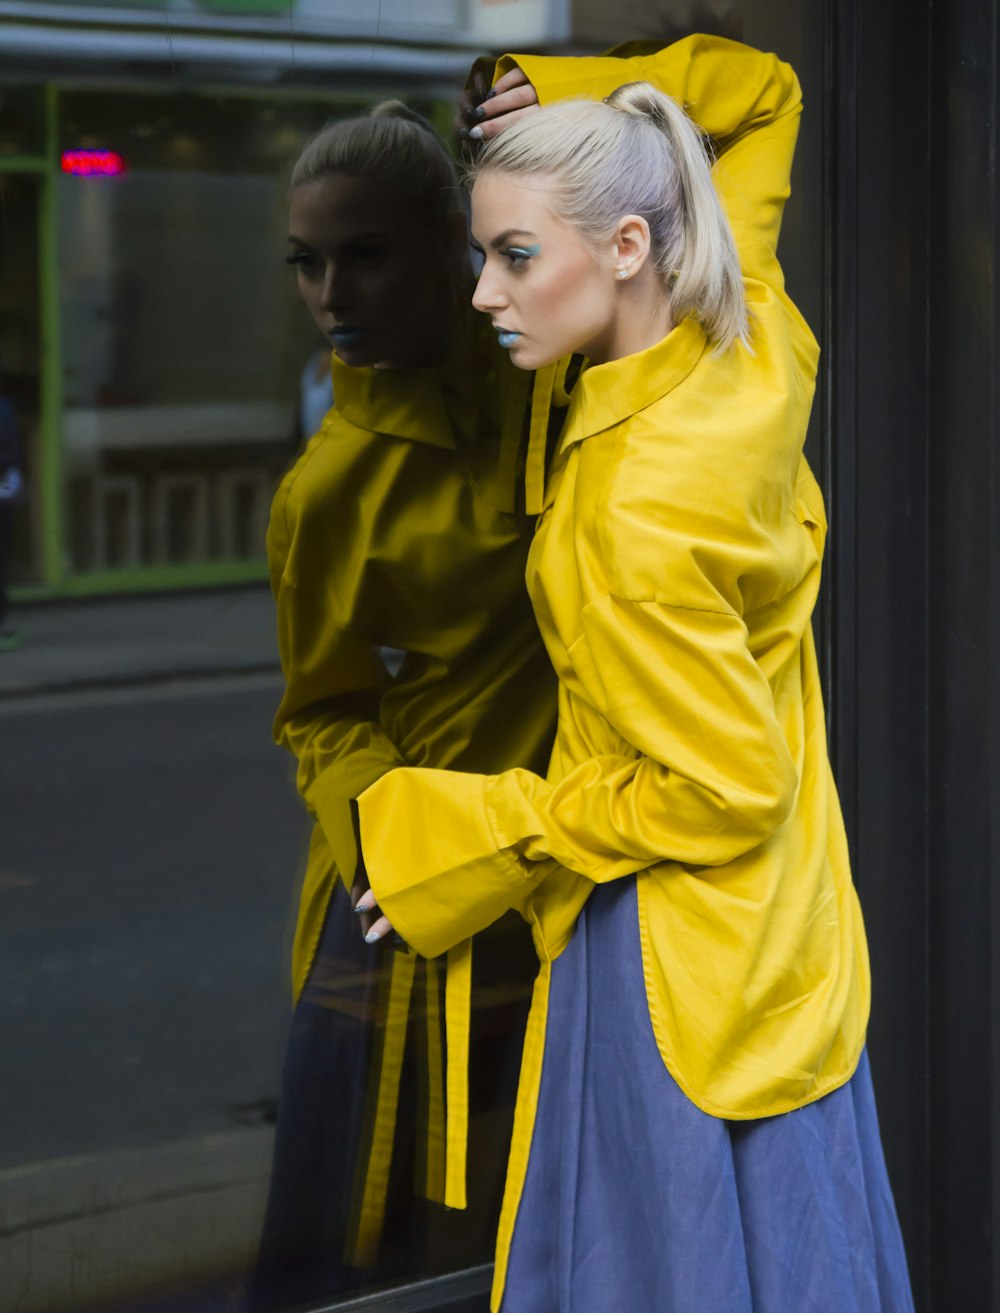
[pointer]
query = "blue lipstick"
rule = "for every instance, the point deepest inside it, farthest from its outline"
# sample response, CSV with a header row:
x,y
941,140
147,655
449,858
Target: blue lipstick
x,y
507,339
346,336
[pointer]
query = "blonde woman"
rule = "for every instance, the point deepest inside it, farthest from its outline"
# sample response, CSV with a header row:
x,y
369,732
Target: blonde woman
x,y
695,1126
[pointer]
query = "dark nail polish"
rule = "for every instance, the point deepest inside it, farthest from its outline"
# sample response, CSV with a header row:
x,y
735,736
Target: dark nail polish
x,y
463,134
491,93
358,910
400,944
479,113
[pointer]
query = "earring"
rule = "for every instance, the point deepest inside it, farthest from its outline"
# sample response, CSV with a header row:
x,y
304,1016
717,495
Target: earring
x,y
622,273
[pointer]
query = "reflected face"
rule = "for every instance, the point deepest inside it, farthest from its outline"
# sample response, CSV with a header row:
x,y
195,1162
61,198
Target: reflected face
x,y
374,275
547,290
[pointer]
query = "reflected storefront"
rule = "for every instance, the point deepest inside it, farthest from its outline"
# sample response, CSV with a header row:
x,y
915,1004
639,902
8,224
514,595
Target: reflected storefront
x,y
170,382
181,341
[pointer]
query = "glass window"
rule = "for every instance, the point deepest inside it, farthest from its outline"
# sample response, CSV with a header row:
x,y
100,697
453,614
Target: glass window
x,y
21,121
183,339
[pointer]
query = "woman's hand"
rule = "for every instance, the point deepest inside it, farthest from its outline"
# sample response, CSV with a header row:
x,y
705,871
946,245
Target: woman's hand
x,y
485,113
373,926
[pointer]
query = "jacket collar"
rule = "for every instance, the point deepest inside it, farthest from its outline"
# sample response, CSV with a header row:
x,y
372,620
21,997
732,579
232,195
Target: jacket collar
x,y
429,405
609,393
404,403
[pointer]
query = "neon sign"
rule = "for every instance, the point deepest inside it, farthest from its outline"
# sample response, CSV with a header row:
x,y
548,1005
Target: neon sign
x,y
93,163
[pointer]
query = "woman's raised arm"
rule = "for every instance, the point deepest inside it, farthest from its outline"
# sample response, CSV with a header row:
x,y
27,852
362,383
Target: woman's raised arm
x,y
747,101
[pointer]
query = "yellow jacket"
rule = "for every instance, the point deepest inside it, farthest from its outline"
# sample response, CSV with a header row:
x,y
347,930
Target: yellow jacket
x,y
673,573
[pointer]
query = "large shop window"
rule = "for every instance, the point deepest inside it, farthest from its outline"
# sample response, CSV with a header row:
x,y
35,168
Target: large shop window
x,y
151,880
183,341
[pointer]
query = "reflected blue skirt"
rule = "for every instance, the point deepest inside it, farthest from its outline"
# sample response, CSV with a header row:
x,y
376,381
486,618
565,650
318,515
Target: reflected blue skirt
x,y
635,1201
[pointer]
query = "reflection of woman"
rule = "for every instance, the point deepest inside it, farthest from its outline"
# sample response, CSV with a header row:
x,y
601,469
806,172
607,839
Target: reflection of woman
x,y
396,528
695,1125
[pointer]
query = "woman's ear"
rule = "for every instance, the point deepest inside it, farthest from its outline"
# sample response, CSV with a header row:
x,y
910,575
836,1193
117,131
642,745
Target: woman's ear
x,y
632,245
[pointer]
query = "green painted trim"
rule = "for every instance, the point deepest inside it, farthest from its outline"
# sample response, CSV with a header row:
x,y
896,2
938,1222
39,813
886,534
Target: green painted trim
x,y
315,94
147,579
51,399
23,164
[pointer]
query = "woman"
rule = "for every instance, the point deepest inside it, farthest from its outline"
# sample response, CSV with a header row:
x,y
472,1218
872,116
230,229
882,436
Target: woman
x,y
695,1125
396,529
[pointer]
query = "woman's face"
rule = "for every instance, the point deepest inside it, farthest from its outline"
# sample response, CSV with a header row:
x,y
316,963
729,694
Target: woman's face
x,y
548,291
376,276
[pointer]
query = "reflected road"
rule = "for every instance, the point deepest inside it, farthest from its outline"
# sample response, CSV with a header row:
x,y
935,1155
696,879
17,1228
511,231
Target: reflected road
x,y
149,849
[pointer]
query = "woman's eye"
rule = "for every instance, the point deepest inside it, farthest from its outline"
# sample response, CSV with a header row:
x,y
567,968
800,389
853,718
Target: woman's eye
x,y
516,255
301,260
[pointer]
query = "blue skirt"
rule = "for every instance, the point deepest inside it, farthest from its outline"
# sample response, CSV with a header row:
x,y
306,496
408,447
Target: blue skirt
x,y
635,1201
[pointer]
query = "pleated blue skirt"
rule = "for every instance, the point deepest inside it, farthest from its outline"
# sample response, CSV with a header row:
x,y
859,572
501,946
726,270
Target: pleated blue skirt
x,y
635,1201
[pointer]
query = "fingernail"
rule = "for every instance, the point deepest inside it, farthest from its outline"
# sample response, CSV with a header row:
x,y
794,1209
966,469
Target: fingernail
x,y
362,906
372,937
479,112
464,133
476,134
491,93
399,943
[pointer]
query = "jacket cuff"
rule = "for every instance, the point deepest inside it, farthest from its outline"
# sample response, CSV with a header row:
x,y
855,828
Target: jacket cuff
x,y
330,798
436,866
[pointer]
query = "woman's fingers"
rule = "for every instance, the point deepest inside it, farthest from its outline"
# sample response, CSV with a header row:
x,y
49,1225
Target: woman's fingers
x,y
378,931
489,128
482,114
373,926
514,77
363,902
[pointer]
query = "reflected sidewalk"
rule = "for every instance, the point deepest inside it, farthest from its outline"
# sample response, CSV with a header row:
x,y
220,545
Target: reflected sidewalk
x,y
98,1230
104,642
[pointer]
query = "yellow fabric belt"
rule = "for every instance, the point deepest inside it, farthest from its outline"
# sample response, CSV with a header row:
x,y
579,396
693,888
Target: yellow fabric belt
x,y
446,1123
369,1215
457,1021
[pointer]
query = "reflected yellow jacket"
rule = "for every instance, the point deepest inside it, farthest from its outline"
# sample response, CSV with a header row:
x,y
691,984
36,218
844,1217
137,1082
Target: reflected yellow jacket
x,y
396,528
673,573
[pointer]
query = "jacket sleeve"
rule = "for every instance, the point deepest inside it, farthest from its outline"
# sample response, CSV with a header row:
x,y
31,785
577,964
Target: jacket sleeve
x,y
329,714
747,101
701,774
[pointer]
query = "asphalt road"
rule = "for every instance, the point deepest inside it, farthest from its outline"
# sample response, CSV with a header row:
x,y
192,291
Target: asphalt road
x,y
150,843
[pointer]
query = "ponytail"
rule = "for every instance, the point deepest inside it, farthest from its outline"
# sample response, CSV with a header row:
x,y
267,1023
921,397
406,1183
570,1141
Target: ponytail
x,y
696,254
638,153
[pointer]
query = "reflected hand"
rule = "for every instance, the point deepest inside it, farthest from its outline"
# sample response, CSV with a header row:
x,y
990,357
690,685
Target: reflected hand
x,y
484,114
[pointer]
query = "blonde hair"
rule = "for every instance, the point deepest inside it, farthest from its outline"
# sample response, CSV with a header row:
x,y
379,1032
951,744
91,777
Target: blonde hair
x,y
391,141
637,153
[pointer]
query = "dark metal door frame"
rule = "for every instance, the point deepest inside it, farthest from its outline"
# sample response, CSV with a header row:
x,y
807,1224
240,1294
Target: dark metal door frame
x,y
910,424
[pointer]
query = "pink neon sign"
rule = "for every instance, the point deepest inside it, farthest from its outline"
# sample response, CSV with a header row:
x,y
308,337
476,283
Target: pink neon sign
x,y
92,163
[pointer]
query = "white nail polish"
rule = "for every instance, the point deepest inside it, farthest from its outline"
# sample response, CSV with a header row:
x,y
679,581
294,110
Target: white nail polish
x,y
372,937
476,133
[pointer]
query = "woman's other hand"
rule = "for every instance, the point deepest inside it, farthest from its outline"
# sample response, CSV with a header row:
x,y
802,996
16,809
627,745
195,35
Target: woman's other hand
x,y
485,113
373,926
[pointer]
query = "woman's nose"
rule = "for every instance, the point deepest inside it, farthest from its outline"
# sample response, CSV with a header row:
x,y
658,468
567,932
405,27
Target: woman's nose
x,y
334,290
488,295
